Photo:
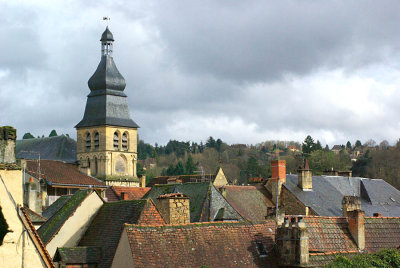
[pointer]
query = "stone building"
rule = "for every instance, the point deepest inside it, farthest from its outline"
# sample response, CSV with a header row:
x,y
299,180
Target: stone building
x,y
107,136
20,245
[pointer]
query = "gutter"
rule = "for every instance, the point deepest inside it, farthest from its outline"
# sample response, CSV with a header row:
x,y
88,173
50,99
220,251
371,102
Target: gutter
x,y
76,185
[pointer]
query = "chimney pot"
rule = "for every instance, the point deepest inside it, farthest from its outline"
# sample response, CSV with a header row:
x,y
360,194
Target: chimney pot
x,y
124,196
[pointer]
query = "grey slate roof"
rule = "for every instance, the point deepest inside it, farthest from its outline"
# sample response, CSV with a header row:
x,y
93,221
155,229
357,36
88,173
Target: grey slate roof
x,y
107,103
107,35
60,148
377,196
56,206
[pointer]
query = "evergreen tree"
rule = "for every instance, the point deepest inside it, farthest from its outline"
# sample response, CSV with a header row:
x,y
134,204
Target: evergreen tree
x,y
358,144
308,145
53,133
28,136
326,148
218,145
210,143
348,145
190,167
317,146
179,169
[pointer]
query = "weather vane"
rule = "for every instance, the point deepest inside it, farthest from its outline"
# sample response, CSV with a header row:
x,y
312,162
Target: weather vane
x,y
106,19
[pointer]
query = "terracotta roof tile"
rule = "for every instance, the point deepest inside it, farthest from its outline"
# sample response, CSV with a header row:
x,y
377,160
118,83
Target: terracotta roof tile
x,y
381,233
329,234
133,193
57,172
105,230
201,244
36,238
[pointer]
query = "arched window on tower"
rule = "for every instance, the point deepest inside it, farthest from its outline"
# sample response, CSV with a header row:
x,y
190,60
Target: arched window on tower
x,y
125,141
116,141
88,141
96,140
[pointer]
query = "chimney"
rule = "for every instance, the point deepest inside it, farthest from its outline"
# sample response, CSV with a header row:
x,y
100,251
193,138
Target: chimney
x,y
174,208
350,203
223,191
377,215
278,177
304,176
8,136
355,220
124,196
142,181
278,170
292,242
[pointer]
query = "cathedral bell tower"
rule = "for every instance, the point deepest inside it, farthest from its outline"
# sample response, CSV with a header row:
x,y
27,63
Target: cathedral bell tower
x,y
107,136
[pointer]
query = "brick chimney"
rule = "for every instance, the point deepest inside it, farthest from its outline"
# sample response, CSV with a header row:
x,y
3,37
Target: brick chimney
x,y
124,196
292,242
350,203
355,220
174,208
278,177
304,176
8,136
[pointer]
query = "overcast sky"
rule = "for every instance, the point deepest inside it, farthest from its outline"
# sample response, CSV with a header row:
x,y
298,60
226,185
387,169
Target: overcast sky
x,y
243,71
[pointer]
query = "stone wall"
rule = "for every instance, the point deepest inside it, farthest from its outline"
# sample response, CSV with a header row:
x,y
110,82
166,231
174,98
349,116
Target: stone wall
x,y
8,135
174,208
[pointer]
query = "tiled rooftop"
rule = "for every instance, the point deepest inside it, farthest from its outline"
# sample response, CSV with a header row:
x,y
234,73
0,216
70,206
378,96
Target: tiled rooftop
x,y
57,172
381,233
329,234
250,201
194,245
105,230
52,225
114,193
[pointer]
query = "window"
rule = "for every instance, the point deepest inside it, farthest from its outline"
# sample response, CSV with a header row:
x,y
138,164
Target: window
x,y
125,141
116,141
96,140
261,249
88,141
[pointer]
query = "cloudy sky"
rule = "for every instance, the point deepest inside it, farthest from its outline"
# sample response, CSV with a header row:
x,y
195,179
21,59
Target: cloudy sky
x,y
243,71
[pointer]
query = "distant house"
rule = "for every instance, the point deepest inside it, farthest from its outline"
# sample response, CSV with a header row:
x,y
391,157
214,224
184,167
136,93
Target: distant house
x,y
336,149
218,179
47,180
293,148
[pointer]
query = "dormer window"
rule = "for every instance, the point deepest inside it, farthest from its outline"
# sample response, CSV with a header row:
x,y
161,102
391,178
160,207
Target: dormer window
x,y
125,141
88,141
116,141
96,140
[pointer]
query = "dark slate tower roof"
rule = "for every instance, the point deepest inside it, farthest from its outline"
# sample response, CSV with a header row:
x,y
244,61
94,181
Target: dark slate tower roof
x,y
107,103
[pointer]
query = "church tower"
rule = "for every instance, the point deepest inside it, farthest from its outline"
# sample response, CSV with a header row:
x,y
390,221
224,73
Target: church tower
x,y
107,136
